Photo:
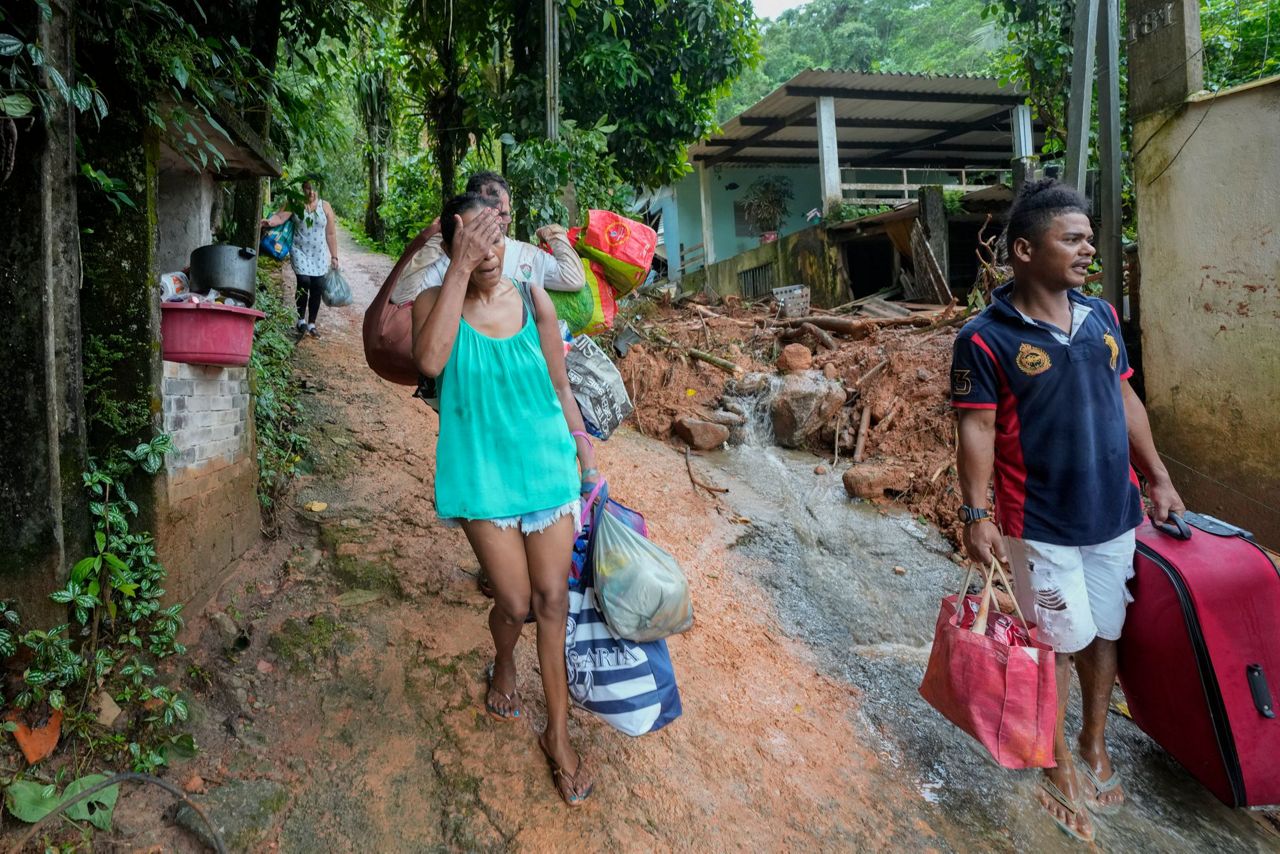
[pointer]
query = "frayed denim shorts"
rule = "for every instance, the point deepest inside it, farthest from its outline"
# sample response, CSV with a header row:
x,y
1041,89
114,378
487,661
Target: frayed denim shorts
x,y
529,523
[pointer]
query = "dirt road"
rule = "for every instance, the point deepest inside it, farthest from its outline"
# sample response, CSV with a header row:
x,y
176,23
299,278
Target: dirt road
x,y
353,720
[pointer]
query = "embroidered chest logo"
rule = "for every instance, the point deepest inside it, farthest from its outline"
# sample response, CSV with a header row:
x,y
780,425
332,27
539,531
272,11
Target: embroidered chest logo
x,y
526,272
1113,347
1033,361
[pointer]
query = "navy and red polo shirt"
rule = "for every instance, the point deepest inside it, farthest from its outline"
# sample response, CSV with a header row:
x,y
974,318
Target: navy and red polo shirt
x,y
1062,472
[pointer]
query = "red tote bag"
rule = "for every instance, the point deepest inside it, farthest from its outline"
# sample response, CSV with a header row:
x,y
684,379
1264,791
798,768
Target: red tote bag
x,y
1004,695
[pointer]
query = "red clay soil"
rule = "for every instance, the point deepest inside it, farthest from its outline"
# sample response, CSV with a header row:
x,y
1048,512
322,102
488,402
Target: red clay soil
x,y
361,692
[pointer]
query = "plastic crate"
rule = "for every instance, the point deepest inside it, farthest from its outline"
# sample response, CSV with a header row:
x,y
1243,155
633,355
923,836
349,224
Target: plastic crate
x,y
794,300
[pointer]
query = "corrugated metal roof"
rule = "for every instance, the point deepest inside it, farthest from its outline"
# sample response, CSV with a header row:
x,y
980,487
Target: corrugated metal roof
x,y
953,118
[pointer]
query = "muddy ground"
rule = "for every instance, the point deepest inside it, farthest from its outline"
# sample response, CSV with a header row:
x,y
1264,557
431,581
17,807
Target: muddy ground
x,y
353,720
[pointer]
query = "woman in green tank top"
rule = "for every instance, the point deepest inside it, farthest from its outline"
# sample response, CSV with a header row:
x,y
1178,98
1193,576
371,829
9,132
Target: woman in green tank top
x,y
507,458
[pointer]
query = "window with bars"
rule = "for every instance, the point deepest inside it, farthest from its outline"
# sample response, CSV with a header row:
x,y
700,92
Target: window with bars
x,y
758,281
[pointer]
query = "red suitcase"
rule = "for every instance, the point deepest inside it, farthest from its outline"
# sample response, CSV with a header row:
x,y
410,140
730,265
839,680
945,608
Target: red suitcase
x,y
1200,655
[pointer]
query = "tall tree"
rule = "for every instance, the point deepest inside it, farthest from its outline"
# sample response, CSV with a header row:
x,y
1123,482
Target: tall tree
x,y
374,88
937,37
654,69
446,44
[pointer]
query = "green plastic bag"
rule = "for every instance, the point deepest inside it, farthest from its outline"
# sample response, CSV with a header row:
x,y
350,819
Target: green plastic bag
x,y
574,308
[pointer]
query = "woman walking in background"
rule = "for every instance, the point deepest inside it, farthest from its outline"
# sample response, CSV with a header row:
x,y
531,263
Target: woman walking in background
x,y
508,455
315,250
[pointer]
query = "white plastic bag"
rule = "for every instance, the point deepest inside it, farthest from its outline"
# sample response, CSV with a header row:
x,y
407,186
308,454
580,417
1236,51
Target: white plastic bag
x,y
641,590
336,292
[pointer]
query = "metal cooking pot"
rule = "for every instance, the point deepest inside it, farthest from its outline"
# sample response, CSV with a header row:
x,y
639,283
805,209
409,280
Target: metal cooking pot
x,y
231,270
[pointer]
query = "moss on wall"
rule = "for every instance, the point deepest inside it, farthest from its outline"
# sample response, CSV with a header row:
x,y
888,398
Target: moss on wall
x,y
119,307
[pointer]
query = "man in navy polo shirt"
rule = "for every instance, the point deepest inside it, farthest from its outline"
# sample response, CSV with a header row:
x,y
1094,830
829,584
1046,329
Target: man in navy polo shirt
x,y
1040,383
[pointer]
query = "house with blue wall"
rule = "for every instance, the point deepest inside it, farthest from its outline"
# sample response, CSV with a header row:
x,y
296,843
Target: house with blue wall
x,y
843,141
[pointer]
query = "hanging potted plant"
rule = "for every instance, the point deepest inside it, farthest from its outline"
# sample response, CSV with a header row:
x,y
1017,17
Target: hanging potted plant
x,y
765,205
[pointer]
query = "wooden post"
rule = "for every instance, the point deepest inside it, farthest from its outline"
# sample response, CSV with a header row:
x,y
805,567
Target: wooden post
x,y
1080,103
708,234
1110,240
828,154
1166,63
671,235
933,216
1024,153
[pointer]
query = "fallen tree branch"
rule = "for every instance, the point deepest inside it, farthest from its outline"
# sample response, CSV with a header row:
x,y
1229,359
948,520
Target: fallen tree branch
x,y
820,336
883,423
706,312
880,366
701,355
862,433
688,466
857,327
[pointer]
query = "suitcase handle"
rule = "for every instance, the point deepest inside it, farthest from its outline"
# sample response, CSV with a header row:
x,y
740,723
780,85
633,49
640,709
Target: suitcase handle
x,y
1176,527
1258,688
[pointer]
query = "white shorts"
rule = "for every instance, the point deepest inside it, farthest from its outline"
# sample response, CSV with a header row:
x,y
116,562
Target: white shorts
x,y
1076,593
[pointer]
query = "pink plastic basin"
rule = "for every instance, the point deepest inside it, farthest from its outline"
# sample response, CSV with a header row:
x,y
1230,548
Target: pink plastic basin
x,y
206,333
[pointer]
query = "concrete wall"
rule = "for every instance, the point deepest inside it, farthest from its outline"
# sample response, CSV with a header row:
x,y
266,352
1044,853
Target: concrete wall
x,y
206,502
44,525
184,208
1207,181
806,257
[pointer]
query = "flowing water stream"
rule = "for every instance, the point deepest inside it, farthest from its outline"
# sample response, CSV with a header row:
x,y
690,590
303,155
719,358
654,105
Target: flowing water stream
x,y
861,585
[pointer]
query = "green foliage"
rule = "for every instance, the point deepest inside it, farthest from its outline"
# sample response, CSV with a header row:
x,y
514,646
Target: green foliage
x,y
277,412
23,61
938,37
117,631
766,202
412,200
1240,41
951,202
540,169
655,68
30,801
847,211
123,420
112,188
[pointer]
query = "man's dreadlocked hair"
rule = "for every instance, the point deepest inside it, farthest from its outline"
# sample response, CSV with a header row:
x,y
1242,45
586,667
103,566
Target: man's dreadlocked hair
x,y
1038,202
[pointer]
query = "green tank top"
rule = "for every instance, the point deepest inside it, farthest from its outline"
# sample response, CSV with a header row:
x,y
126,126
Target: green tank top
x,y
504,448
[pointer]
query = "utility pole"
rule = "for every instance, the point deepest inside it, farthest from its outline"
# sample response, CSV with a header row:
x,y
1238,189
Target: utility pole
x,y
551,56
1097,36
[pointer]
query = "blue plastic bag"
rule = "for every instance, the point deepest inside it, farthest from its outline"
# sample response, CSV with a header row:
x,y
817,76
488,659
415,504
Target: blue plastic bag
x,y
279,240
630,686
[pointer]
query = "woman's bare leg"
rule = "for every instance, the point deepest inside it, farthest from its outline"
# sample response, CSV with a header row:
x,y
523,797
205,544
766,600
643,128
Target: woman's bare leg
x,y
501,552
550,553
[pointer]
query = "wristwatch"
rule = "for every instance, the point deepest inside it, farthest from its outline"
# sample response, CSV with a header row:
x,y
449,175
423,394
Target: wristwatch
x,y
969,515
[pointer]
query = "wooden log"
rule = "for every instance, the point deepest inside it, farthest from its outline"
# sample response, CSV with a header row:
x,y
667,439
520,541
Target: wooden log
x,y
701,355
856,327
862,433
883,423
820,336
